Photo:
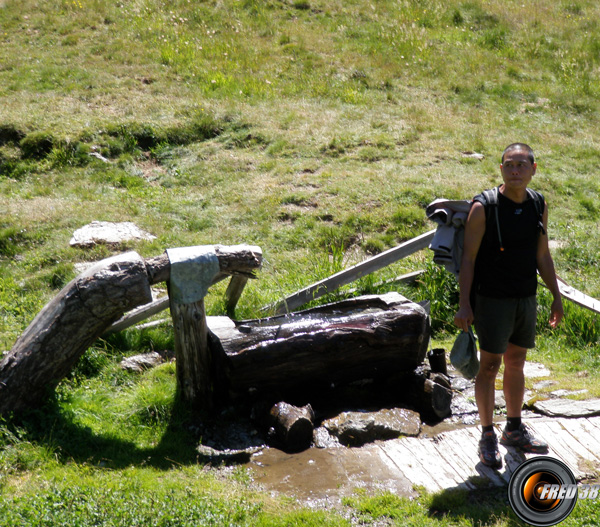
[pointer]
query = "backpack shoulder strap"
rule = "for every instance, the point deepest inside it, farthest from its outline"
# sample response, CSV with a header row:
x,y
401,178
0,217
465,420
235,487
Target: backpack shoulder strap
x,y
539,203
489,200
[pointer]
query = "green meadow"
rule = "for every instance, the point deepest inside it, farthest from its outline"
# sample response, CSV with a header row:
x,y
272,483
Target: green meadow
x,y
317,130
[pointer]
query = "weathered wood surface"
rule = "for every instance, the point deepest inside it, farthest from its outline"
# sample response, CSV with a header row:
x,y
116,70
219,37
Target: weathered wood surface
x,y
450,460
194,362
354,339
351,274
291,426
51,345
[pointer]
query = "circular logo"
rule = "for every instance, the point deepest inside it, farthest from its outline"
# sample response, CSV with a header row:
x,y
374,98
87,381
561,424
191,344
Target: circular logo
x,y
542,491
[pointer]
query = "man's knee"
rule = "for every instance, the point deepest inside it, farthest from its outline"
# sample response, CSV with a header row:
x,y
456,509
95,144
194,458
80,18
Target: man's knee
x,y
514,358
489,364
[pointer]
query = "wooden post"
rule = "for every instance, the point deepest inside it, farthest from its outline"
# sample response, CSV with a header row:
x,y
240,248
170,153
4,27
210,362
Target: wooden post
x,y
197,374
234,292
195,368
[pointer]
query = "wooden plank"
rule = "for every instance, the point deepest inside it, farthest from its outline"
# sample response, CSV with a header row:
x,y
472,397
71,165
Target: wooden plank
x,y
576,296
441,475
407,278
234,292
138,314
557,446
579,438
413,469
456,449
351,274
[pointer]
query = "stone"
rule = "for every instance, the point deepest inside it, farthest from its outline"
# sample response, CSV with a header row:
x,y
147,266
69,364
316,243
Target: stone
x,y
543,384
568,408
139,363
566,393
473,155
358,428
534,370
323,439
104,232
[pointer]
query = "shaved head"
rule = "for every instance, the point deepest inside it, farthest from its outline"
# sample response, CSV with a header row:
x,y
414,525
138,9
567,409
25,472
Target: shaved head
x,y
522,147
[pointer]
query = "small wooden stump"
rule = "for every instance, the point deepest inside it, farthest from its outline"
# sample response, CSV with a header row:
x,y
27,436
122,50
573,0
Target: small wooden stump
x,y
291,426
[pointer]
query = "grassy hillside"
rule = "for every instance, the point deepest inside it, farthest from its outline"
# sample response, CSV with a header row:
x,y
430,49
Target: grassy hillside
x,y
317,130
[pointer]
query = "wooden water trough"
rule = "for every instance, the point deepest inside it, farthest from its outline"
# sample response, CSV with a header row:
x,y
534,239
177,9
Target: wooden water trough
x,y
354,339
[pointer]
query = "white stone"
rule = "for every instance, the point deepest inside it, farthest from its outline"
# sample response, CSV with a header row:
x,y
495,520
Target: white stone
x,y
108,233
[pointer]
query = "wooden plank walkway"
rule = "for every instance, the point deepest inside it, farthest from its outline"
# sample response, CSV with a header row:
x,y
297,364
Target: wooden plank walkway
x,y
449,460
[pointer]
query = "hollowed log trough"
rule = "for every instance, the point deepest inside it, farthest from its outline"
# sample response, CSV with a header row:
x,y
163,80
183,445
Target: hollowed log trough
x,y
365,337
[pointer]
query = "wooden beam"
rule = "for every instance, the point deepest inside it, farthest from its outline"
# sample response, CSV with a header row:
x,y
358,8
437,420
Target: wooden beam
x,y
576,296
347,276
234,292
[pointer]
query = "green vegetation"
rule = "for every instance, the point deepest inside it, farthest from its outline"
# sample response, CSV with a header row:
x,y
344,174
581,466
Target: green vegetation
x,y
318,130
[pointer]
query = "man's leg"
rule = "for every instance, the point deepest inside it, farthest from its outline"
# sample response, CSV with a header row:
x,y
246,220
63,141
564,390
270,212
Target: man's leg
x,y
516,434
514,379
485,387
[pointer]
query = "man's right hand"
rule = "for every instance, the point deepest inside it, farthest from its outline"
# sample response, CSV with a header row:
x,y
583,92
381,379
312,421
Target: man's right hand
x,y
464,318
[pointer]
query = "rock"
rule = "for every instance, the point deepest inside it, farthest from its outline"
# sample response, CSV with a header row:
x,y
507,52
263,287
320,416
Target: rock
x,y
323,439
568,408
534,370
461,405
142,362
543,384
108,233
565,393
473,155
358,428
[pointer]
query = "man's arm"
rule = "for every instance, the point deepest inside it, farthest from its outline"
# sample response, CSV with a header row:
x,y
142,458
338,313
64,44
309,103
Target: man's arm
x,y
545,266
474,231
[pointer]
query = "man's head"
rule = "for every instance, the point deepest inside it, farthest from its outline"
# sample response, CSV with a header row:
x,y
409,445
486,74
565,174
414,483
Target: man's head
x,y
521,147
518,167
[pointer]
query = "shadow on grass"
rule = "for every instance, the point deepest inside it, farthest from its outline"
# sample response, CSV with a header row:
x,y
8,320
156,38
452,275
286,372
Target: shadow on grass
x,y
54,428
485,506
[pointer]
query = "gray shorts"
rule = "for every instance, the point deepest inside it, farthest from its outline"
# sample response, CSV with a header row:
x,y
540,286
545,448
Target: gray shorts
x,y
499,321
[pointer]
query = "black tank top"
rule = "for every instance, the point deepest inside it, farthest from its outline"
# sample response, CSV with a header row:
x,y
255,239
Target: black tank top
x,y
511,273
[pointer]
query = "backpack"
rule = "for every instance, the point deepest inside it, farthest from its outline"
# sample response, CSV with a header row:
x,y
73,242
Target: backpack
x,y
451,216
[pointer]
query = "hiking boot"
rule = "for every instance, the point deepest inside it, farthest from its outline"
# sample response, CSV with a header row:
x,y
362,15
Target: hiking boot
x,y
523,439
488,450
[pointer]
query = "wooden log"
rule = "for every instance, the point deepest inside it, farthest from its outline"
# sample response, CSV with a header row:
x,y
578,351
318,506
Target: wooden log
x,y
83,310
242,260
430,394
353,273
365,337
195,367
291,426
67,326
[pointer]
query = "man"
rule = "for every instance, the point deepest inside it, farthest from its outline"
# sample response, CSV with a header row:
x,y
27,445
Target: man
x,y
498,281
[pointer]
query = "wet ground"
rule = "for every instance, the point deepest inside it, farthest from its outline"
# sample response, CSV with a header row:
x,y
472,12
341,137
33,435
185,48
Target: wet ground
x,y
443,455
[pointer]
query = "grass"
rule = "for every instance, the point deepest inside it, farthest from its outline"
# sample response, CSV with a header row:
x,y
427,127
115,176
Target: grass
x,y
316,130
